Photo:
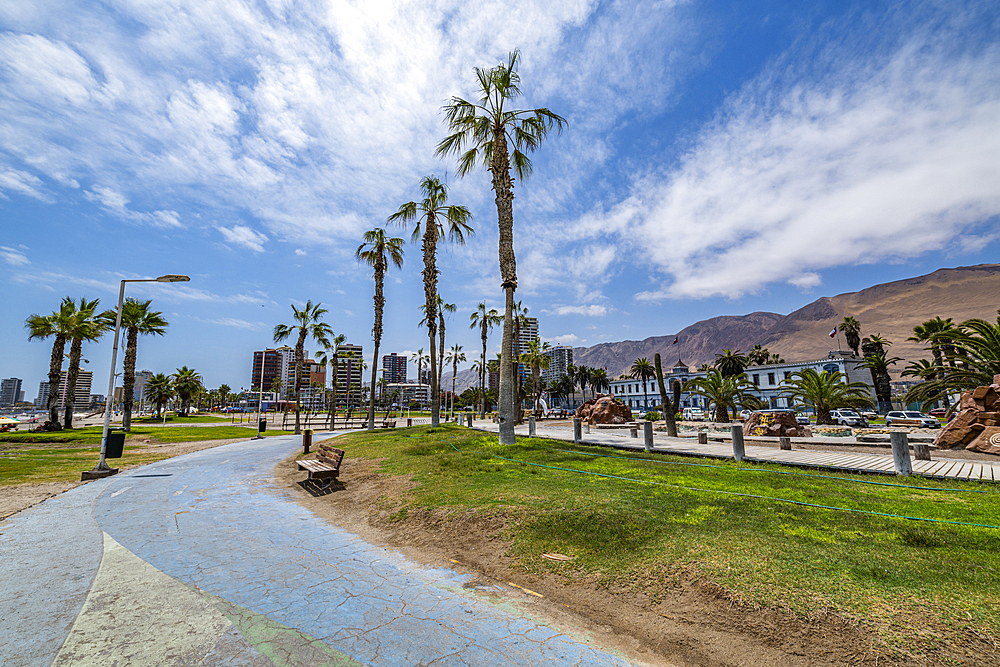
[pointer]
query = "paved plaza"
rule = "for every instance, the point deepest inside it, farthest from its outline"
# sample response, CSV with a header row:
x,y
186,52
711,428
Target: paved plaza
x,y
202,560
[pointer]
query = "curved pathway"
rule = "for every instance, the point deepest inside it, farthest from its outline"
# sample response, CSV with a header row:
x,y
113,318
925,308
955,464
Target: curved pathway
x,y
200,560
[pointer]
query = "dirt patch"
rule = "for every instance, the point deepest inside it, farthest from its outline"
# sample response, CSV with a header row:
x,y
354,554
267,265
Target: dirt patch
x,y
18,497
666,618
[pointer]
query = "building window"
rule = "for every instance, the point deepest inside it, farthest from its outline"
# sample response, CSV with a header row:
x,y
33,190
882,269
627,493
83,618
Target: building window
x,y
788,374
770,378
756,380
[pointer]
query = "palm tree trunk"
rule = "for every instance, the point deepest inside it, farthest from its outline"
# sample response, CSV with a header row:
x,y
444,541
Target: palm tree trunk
x,y
377,335
55,375
71,376
299,357
482,377
128,376
333,387
505,398
454,373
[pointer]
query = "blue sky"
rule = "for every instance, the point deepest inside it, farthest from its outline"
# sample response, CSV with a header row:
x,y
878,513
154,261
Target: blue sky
x,y
721,157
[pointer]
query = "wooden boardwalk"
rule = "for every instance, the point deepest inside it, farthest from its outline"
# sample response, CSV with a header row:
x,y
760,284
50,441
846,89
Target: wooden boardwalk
x,y
879,464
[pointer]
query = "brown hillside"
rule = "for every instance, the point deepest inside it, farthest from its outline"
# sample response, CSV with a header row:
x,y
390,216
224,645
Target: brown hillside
x,y
890,309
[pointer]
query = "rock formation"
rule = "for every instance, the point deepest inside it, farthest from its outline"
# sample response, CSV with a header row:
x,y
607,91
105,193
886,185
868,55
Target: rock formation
x,y
775,425
604,409
977,425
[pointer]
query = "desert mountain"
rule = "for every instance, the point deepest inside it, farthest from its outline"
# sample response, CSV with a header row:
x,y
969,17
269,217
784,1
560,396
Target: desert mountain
x,y
890,309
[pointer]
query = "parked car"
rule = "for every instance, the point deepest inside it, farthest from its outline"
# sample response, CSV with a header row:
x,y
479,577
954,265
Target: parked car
x,y
693,415
802,419
911,418
938,412
745,414
849,418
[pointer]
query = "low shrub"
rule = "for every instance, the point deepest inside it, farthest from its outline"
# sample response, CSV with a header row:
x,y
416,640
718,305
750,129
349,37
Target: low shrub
x,y
653,416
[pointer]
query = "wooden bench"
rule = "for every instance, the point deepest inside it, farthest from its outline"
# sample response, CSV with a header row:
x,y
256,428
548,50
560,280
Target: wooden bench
x,y
325,465
387,423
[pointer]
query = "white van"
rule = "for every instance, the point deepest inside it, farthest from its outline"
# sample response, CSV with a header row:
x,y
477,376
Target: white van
x,y
693,415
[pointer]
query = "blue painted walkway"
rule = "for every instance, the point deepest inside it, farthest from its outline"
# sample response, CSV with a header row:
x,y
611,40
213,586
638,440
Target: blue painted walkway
x,y
201,560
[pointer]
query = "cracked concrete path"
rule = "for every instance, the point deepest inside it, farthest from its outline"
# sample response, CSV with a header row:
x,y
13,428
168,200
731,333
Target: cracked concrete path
x,y
200,560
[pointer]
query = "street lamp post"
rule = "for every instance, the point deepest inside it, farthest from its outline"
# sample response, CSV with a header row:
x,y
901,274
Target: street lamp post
x,y
102,469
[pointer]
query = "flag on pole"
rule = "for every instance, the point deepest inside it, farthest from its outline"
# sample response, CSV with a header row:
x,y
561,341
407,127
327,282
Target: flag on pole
x,y
676,340
833,333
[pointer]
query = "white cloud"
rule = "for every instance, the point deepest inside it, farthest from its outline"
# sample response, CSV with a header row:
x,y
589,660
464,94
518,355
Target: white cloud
x,y
878,159
21,182
14,256
300,252
244,236
565,339
239,324
115,202
593,310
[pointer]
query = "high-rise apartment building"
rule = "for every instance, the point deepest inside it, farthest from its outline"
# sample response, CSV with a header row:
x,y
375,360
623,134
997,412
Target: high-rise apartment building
x,y
81,399
10,392
349,370
527,333
139,389
394,368
42,402
276,364
560,358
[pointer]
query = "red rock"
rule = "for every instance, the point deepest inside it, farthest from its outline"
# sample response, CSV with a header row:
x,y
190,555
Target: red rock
x,y
987,442
604,409
959,430
774,425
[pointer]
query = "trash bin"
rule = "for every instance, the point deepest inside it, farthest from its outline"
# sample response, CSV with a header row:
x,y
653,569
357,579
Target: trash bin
x,y
115,445
262,425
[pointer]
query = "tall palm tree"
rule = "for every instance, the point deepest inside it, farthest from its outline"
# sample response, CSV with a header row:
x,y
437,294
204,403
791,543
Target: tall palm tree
x,y
137,318
851,329
935,332
308,322
484,320
722,391
973,356
224,390
583,377
824,392
481,134
642,371
187,383
86,325
55,325
438,220
536,359
731,363
421,358
329,356
879,366
598,380
668,404
378,251
159,389
758,356
455,356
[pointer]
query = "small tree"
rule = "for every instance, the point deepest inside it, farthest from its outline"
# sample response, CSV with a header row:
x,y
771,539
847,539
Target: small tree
x,y
824,391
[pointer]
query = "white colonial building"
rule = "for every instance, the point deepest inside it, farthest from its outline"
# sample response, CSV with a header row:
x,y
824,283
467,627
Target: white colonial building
x,y
644,396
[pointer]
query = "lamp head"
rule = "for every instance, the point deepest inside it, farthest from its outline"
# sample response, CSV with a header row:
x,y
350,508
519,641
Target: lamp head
x,y
173,278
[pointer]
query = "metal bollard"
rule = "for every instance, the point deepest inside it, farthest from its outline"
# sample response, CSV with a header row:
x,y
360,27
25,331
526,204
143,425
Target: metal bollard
x,y
785,443
633,432
738,450
702,438
307,440
647,432
576,429
900,453
531,425
468,419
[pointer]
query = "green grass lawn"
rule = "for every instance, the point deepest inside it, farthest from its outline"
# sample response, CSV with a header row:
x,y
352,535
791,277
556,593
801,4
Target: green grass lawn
x,y
651,517
31,458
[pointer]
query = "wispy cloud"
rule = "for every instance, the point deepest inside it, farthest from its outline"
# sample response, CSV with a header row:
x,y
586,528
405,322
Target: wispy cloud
x,y
116,203
593,310
856,159
244,236
565,339
13,256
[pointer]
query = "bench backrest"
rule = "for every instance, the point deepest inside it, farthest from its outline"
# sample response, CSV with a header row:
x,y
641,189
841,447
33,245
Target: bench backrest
x,y
331,455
